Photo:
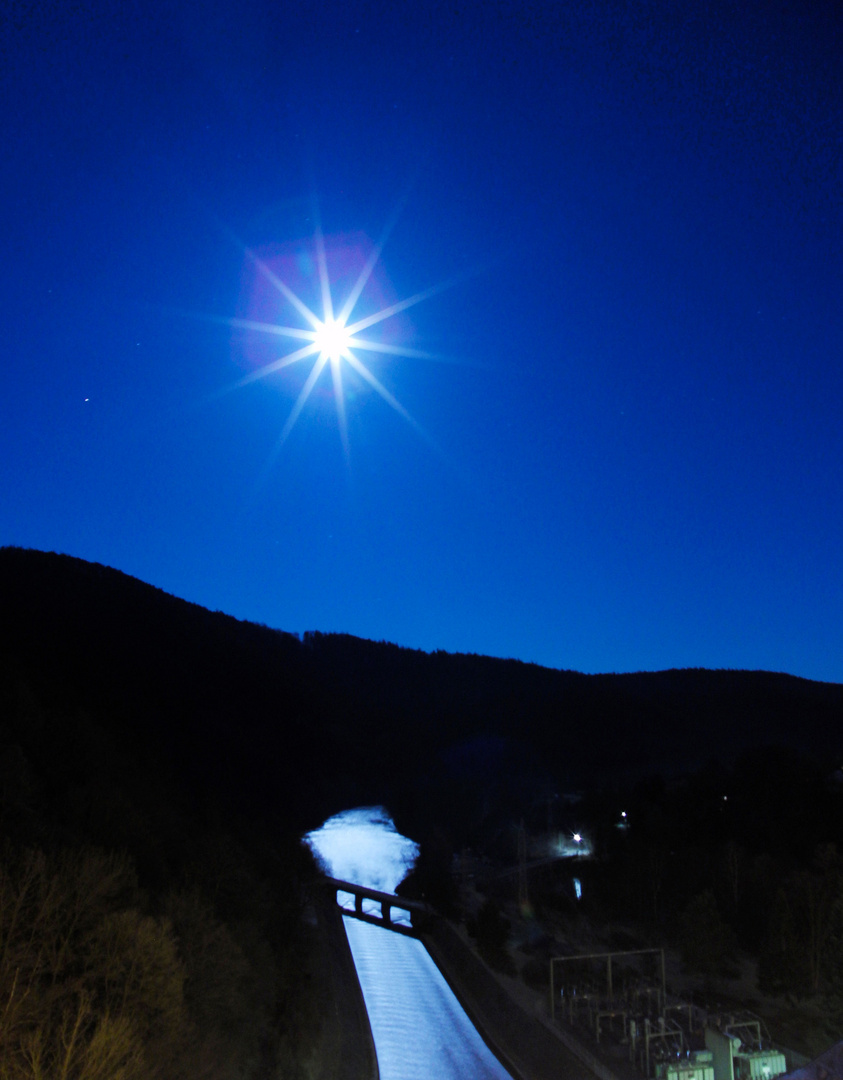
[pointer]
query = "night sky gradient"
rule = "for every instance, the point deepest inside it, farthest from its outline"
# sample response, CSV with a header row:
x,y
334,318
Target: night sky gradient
x,y
627,448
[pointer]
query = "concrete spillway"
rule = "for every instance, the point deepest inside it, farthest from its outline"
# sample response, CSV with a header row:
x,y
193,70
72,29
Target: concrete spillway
x,y
420,1029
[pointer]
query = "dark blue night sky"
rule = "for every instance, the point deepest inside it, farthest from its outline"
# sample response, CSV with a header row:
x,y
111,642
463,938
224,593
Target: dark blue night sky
x,y
626,448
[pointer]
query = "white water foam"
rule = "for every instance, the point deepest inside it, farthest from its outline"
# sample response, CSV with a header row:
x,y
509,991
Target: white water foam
x,y
421,1031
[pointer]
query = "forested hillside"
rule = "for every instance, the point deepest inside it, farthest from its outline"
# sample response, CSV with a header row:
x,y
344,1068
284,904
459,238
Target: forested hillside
x,y
299,727
159,762
148,928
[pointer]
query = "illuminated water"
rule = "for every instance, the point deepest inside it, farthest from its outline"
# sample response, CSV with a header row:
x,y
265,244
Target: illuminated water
x,y
421,1031
363,846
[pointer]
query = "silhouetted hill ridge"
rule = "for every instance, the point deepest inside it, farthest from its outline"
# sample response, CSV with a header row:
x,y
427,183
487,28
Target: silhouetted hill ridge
x,y
306,724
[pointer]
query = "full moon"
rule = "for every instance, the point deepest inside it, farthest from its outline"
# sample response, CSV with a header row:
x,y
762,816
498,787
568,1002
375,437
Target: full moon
x,y
332,338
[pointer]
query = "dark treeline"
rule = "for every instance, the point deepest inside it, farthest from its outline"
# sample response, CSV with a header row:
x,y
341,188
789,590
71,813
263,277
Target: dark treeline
x,y
728,864
177,755
149,926
303,727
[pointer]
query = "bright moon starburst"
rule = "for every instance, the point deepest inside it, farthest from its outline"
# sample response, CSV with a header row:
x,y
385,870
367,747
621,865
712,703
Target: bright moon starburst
x,y
332,338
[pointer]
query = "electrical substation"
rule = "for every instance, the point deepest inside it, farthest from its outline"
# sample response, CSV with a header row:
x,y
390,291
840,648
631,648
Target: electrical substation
x,y
618,1001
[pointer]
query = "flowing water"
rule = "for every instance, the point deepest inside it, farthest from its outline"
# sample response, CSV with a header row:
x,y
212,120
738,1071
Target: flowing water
x,y
421,1031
